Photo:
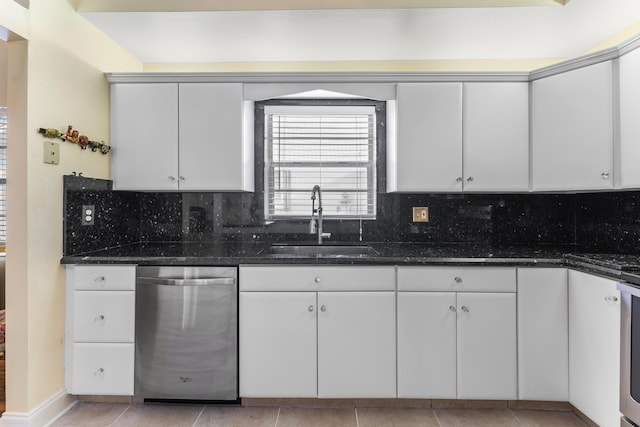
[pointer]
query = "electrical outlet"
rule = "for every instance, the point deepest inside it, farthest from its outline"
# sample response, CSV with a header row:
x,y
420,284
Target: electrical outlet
x,y
88,214
420,214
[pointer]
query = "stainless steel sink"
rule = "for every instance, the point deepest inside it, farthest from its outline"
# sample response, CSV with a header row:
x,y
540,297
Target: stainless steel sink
x,y
307,251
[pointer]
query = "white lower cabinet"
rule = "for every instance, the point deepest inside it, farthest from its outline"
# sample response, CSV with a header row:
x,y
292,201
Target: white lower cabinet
x,y
103,369
487,346
99,329
427,345
278,344
543,334
594,347
356,344
457,344
308,342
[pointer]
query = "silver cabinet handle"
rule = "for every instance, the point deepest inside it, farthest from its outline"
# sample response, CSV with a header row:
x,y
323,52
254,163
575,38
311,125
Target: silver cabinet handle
x,y
470,179
459,179
458,279
181,178
611,298
323,308
452,308
99,319
187,282
100,281
172,178
465,308
99,372
317,279
311,308
605,175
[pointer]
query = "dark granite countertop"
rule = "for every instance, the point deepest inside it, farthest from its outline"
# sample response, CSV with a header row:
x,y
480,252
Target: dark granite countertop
x,y
626,267
242,252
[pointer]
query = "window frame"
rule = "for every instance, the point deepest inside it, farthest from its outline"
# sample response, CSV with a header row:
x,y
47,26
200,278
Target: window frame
x,y
260,151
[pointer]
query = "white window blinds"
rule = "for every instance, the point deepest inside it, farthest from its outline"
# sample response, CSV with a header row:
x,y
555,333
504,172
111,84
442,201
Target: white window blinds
x,y
3,174
330,146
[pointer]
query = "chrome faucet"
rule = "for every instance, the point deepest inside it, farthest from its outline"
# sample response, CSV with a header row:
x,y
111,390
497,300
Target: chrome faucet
x,y
315,226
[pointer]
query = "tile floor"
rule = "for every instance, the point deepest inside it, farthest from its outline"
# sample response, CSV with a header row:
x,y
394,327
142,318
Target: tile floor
x,y
123,414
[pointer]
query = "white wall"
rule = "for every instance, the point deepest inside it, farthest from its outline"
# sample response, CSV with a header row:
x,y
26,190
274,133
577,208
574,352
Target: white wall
x,y
3,72
56,78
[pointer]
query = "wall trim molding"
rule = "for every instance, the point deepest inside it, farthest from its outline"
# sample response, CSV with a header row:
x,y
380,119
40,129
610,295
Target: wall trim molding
x,y
317,77
44,414
378,77
575,63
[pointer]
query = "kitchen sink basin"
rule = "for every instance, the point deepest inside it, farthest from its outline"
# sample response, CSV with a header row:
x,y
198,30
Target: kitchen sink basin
x,y
308,251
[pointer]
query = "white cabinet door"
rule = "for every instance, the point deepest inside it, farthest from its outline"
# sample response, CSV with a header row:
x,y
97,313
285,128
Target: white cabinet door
x,y
104,316
572,130
427,345
356,345
487,346
496,136
277,333
594,347
543,334
212,144
629,123
144,136
428,149
102,369
102,277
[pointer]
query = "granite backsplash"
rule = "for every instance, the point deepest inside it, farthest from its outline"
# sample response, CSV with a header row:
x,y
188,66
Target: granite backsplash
x,y
600,222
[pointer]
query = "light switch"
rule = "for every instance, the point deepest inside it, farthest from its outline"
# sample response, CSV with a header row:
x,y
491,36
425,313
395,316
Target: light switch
x,y
51,152
420,214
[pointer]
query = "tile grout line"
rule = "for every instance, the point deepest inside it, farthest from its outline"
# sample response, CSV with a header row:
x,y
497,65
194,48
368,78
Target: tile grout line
x,y
436,416
120,416
277,416
515,416
199,415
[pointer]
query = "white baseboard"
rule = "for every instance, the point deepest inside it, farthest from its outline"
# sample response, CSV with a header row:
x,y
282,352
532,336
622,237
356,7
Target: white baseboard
x,y
47,412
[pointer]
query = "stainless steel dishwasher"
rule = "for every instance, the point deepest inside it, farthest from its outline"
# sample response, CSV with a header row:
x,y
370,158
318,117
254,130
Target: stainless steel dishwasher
x,y
186,334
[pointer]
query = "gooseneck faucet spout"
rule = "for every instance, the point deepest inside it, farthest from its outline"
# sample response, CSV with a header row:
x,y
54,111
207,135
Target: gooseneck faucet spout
x,y
316,225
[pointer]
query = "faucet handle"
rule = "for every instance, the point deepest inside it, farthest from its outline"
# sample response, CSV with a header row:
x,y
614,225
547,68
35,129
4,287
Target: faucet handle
x,y
327,235
313,226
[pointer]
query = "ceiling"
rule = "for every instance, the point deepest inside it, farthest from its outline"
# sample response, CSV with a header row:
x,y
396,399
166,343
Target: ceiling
x,y
224,31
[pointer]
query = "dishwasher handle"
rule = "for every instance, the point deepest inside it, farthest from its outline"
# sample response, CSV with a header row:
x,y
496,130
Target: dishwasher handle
x,y
208,281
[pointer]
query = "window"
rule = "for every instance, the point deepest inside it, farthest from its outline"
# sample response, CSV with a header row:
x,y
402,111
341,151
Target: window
x,y
333,146
3,174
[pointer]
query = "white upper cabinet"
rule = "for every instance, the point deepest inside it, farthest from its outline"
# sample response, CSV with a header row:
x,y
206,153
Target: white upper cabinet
x,y
453,137
187,136
428,149
629,123
144,136
496,137
215,153
572,130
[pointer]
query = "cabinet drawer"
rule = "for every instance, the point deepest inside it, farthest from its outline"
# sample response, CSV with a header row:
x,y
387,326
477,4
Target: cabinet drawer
x,y
103,369
102,278
103,316
464,279
317,278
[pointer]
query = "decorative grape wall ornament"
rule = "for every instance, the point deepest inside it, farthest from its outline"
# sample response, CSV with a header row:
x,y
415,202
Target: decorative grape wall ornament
x,y
73,136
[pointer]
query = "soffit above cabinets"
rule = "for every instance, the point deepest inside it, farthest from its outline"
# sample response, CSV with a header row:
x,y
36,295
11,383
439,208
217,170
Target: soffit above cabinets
x,y
218,5
358,35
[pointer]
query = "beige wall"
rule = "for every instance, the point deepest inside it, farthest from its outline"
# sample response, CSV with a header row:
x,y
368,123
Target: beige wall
x,y
56,78
3,72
